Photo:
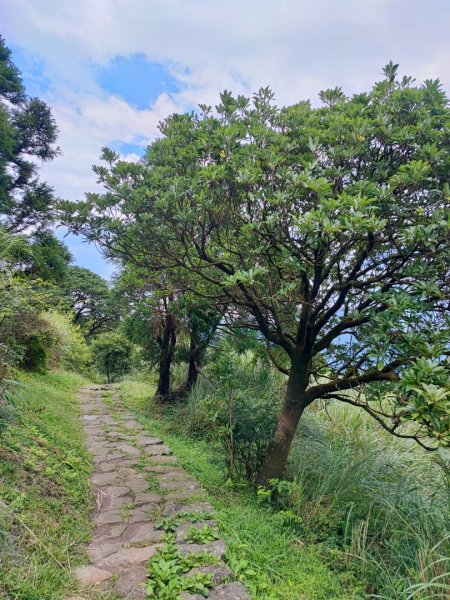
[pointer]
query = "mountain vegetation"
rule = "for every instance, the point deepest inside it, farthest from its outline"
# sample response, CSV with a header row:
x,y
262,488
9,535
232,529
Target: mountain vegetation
x,y
279,316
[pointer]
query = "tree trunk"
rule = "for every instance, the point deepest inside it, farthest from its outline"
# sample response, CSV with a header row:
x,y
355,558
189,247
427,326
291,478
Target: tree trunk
x,y
195,358
167,343
294,404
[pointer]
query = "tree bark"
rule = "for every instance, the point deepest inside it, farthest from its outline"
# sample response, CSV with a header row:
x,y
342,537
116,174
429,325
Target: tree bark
x,y
196,353
294,404
167,343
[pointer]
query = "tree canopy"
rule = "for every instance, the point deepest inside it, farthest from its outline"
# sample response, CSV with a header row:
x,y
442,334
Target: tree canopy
x,y
325,229
28,135
90,299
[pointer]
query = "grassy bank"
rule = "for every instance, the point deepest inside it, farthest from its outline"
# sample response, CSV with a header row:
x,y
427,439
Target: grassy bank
x,y
364,516
44,488
265,552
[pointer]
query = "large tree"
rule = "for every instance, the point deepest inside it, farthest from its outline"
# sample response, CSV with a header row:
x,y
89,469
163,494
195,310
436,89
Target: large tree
x,y
326,229
90,299
28,135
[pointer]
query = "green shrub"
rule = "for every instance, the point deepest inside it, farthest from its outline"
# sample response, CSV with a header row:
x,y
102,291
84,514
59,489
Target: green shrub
x,y
36,339
71,350
112,354
236,402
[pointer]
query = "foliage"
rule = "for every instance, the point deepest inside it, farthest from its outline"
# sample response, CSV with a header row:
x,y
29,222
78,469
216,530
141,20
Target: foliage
x,y
326,229
219,407
384,501
264,552
44,489
167,574
111,354
28,134
204,535
22,330
37,345
71,351
49,258
90,299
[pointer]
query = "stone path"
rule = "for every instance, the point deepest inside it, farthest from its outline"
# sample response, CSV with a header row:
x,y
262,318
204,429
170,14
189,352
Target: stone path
x,y
138,485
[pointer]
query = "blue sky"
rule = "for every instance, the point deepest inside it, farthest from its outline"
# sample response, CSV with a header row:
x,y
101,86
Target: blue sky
x,y
112,69
136,80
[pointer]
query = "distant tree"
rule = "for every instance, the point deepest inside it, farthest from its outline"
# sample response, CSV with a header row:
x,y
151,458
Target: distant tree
x,y
28,135
24,336
111,354
91,300
325,229
169,324
49,258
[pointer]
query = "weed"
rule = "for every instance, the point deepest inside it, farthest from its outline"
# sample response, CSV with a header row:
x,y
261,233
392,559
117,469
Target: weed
x,y
167,574
204,535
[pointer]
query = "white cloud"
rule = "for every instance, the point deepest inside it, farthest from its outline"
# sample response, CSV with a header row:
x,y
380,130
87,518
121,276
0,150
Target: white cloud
x,y
296,46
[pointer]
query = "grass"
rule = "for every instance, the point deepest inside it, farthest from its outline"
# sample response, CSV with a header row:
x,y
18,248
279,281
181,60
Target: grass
x,y
44,489
385,501
265,553
366,515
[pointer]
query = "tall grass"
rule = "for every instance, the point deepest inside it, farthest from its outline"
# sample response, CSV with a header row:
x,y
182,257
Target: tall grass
x,y
385,502
379,503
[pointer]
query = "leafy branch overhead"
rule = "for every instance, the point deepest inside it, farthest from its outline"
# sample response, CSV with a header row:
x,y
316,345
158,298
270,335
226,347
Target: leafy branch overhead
x,y
325,229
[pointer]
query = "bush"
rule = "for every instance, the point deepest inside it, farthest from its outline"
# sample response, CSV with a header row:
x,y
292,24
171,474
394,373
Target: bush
x,y
236,402
37,349
112,354
71,350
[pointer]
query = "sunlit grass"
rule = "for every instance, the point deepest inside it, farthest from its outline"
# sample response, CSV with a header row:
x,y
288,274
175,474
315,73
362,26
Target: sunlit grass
x,y
44,489
265,554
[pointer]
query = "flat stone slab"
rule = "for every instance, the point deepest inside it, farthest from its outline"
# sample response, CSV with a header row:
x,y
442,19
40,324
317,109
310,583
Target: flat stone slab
x,y
187,509
217,548
110,517
115,491
116,464
182,495
128,556
129,583
158,450
97,553
147,498
127,502
90,575
104,479
141,532
137,484
165,470
221,573
108,532
132,424
128,449
229,591
147,441
186,485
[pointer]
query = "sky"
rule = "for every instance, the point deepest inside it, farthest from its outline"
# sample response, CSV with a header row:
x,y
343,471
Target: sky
x,y
113,69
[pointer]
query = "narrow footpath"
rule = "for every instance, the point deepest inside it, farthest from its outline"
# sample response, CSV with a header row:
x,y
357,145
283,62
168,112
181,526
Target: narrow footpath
x,y
142,497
